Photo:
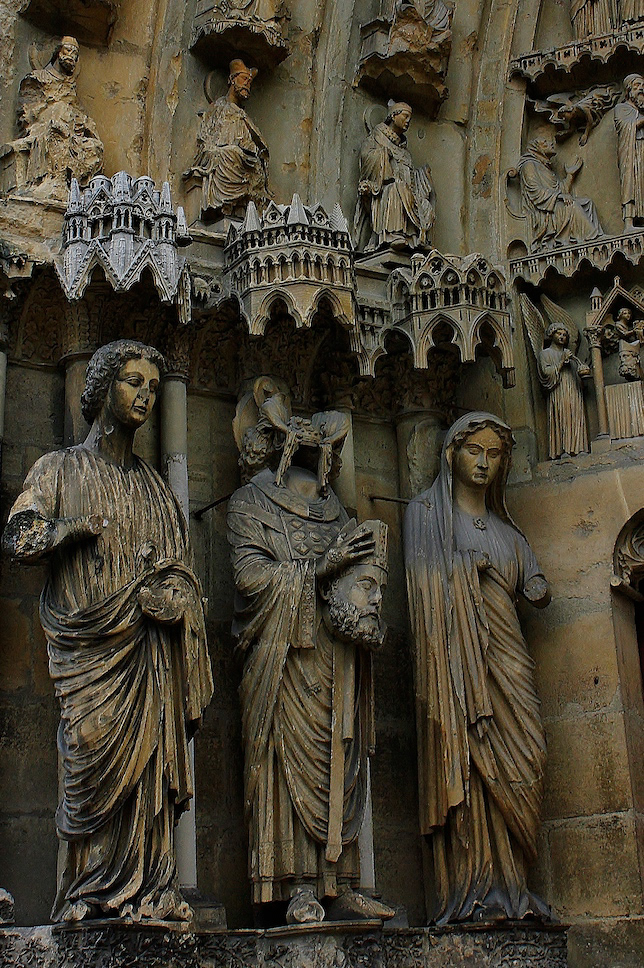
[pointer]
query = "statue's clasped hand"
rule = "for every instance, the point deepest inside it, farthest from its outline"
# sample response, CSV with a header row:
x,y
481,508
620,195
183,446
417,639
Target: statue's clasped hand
x,y
343,552
163,601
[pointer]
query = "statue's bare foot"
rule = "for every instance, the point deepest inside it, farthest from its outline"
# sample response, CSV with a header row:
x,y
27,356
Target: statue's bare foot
x,y
351,905
304,908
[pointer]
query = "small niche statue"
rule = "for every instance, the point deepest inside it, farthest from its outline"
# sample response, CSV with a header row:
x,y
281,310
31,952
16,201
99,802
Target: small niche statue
x,y
232,157
629,122
480,737
122,614
557,217
560,373
58,140
307,617
395,200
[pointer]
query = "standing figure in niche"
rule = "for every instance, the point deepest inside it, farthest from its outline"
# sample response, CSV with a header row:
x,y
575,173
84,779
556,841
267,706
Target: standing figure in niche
x,y
629,122
59,141
560,374
480,737
557,216
232,156
122,613
307,617
395,205
591,18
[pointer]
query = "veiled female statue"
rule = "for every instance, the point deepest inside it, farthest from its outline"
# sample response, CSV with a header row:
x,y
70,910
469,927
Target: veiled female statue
x,y
122,613
480,737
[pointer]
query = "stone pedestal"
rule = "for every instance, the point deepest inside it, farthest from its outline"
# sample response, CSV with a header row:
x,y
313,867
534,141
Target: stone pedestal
x,y
346,944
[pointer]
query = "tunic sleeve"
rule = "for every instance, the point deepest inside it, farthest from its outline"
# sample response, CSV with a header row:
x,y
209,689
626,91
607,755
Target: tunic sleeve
x,y
34,511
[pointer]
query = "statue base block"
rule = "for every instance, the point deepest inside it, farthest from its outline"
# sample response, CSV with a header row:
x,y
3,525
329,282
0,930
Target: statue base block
x,y
349,944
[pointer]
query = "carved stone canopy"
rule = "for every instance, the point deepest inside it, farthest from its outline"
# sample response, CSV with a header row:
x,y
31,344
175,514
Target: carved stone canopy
x,y
404,54
294,253
223,30
602,322
591,60
122,226
451,300
88,20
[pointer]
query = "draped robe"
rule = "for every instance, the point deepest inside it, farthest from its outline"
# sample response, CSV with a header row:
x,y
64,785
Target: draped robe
x,y
307,701
234,157
630,156
131,690
480,737
397,205
553,221
567,432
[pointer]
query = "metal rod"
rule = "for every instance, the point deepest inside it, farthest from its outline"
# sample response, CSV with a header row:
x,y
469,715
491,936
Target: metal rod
x,y
201,511
394,500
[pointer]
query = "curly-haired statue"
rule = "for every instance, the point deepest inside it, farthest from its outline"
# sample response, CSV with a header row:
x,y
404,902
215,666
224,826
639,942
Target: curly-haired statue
x,y
481,742
122,613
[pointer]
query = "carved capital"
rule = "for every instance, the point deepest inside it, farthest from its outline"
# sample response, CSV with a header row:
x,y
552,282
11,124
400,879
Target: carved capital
x,y
593,334
178,352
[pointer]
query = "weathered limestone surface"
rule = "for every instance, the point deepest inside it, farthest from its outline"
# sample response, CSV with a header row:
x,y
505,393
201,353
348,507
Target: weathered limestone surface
x,y
145,88
337,945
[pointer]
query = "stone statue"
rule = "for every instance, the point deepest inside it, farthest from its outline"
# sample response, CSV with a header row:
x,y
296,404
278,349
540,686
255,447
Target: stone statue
x,y
560,373
122,613
395,200
307,617
557,216
480,737
630,11
591,18
629,122
58,140
232,156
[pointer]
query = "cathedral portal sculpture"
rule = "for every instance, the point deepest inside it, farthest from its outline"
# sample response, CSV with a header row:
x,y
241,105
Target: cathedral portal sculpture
x,y
480,737
629,122
232,156
122,613
58,140
560,373
309,587
557,217
395,200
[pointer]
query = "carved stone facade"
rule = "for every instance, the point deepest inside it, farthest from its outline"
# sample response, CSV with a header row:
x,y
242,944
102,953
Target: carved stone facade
x,y
372,227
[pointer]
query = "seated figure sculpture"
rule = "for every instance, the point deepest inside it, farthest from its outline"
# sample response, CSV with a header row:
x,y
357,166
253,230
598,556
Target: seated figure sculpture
x,y
122,614
481,741
58,140
307,618
395,205
232,156
557,217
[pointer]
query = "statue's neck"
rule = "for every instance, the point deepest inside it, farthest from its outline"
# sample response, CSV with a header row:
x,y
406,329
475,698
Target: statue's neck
x,y
470,500
111,440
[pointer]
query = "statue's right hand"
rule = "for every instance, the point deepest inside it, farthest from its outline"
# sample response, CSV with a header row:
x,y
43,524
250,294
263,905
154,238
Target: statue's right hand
x,y
344,552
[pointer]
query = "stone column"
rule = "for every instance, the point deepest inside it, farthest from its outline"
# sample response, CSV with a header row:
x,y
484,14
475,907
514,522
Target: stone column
x,y
75,364
593,334
174,467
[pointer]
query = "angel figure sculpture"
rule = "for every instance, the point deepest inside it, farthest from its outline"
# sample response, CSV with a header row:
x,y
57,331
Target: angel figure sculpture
x,y
560,373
